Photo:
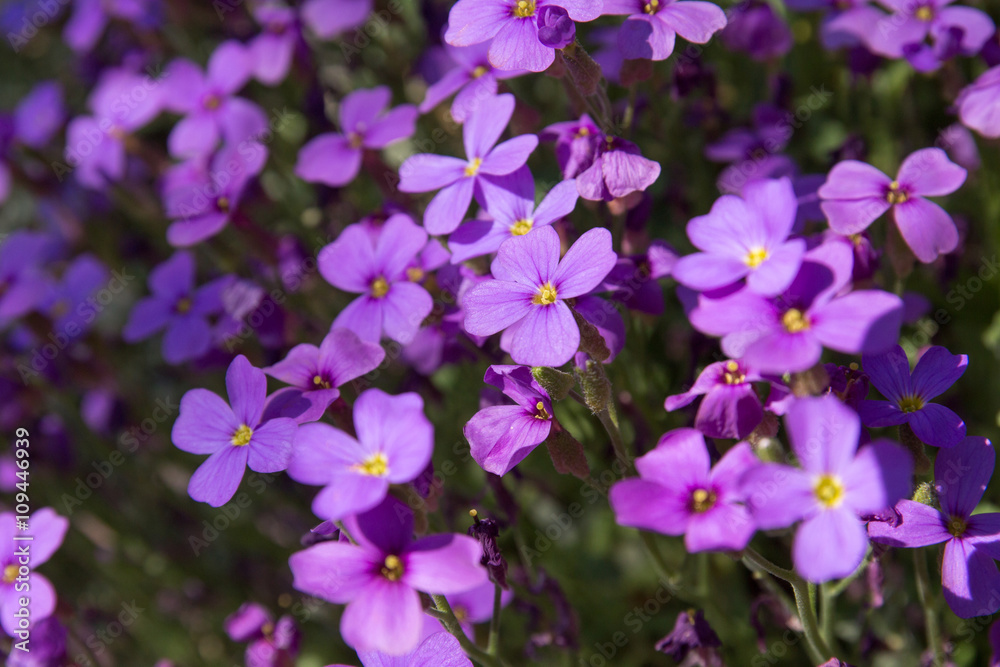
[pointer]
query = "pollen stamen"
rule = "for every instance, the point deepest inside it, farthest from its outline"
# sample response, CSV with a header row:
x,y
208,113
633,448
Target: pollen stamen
x,y
376,465
183,305
414,274
829,491
541,412
479,71
652,7
524,8
521,227
910,403
732,374
755,257
242,436
894,195
472,168
380,287
546,296
9,574
957,526
320,383
702,500
794,321
392,568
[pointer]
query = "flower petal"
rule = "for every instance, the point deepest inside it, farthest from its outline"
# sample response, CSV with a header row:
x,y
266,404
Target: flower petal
x,y
216,480
829,545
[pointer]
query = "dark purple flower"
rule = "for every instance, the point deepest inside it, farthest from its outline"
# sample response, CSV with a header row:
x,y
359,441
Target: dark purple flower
x,y
70,303
556,29
576,144
972,541
47,646
90,17
691,633
47,530
23,283
835,485
756,29
910,394
235,437
501,436
618,169
379,576
731,407
487,531
653,25
679,493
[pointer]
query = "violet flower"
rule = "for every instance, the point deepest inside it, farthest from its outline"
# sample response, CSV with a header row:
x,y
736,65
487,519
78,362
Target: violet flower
x,y
235,437
23,282
316,372
394,445
440,649
35,120
390,303
270,644
856,194
69,302
175,305
634,279
679,492
47,530
979,104
745,238
335,158
510,201
576,144
274,48
379,576
473,78
514,28
458,179
530,288
90,18
501,436
618,169
329,18
47,644
972,541
836,484
758,30
653,25
692,634
731,407
788,333
910,394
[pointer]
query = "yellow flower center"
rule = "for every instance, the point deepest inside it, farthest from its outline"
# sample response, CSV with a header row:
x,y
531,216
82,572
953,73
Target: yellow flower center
x,y
524,8
183,305
957,526
583,132
541,412
910,403
9,574
829,491
702,500
794,321
521,227
355,140
60,308
212,102
894,195
732,374
472,168
925,13
415,274
652,7
461,613
392,568
376,465
755,257
223,204
242,436
479,71
379,287
320,383
546,295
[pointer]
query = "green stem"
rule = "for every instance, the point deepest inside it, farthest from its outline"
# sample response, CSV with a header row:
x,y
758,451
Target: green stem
x,y
452,625
610,423
929,604
839,587
493,644
828,603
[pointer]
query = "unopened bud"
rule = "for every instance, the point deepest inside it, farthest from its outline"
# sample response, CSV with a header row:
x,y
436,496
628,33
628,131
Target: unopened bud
x,y
556,383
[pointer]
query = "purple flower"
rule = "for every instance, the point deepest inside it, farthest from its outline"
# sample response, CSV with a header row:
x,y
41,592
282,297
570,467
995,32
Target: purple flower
x,y
459,179
211,109
515,26
618,169
979,104
476,605
329,18
39,115
47,530
90,17
439,649
390,303
47,644
691,634
758,30
335,159
788,333
23,283
556,29
201,195
474,78
679,493
576,144
175,305
745,238
837,483
530,289
270,644
274,48
70,303
972,541
910,395
510,201
316,372
634,280
501,436
394,445
855,194
379,576
233,436
653,25
731,408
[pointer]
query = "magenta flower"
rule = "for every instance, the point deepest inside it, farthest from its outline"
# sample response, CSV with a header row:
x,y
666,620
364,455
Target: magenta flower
x,y
758,30
335,159
473,78
530,289
175,305
745,238
270,644
653,25
459,179
47,530
731,407
576,144
394,445
855,194
510,201
316,372
501,436
235,437
910,395
972,541
679,492
836,484
208,101
274,48
788,333
618,169
979,104
513,25
379,576
329,18
390,303
439,649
